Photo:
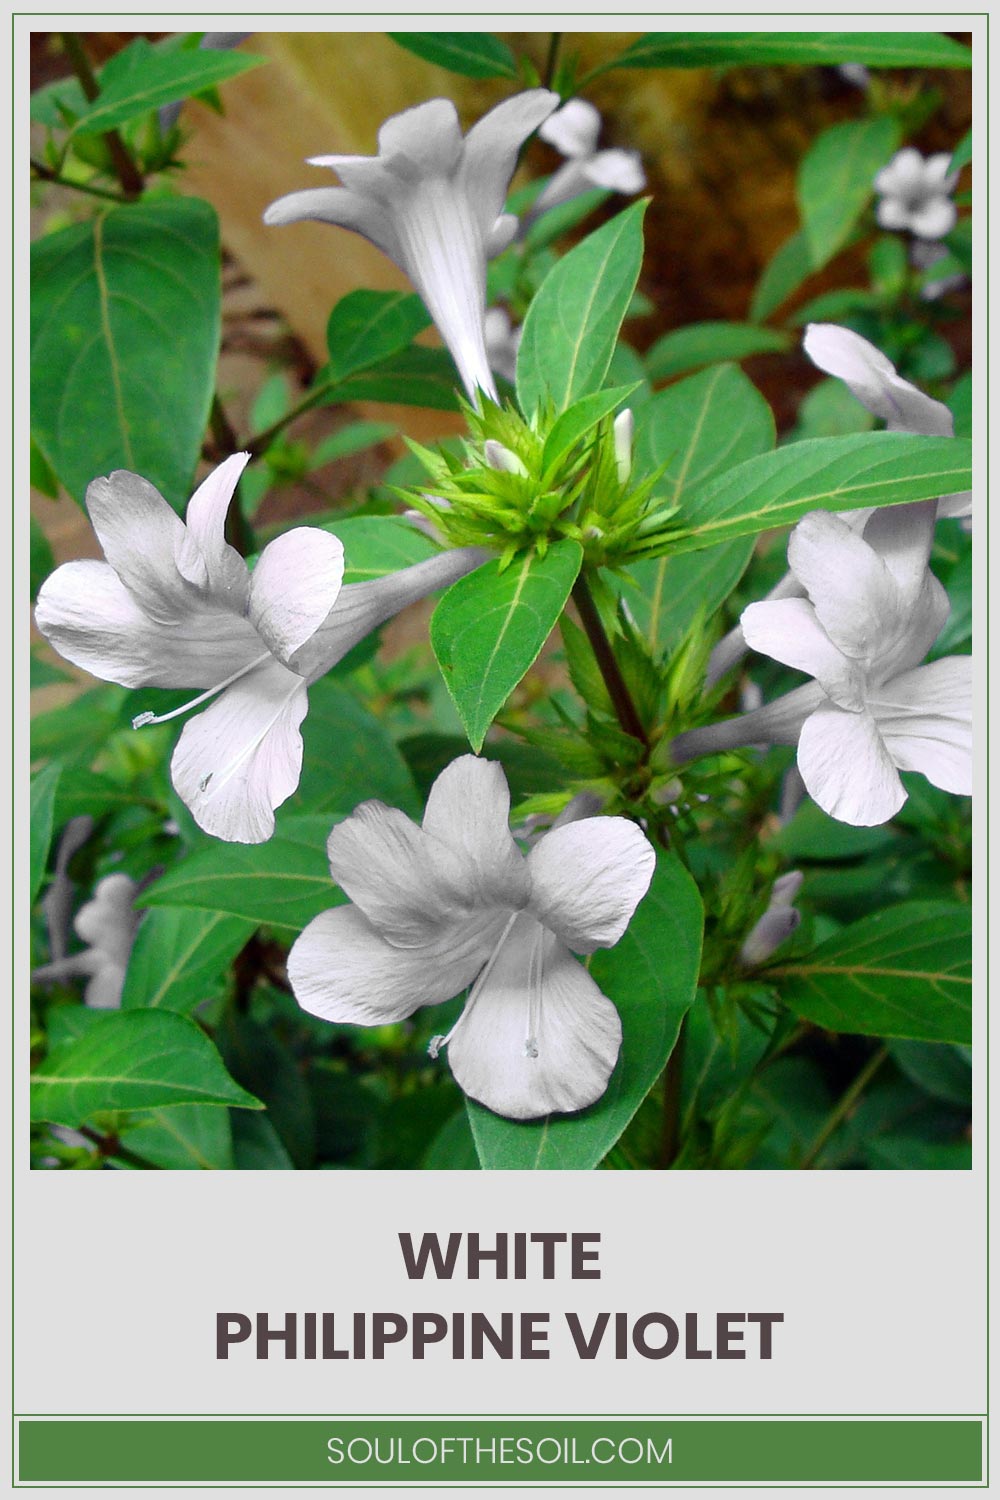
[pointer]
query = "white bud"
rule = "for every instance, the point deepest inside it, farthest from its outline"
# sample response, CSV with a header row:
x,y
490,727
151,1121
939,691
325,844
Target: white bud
x,y
624,429
501,458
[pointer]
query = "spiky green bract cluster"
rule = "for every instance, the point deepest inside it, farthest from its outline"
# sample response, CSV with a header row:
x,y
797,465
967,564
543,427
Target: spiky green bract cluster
x,y
520,484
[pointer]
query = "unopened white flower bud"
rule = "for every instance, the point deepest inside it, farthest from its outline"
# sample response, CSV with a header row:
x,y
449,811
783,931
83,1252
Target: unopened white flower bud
x,y
624,430
501,458
777,924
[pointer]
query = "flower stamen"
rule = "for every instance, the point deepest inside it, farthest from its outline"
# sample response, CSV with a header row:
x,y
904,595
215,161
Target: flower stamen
x,y
437,1042
141,720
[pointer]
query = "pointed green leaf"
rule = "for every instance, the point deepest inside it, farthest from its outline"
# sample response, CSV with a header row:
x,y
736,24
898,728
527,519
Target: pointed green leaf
x,y
159,78
835,180
178,955
188,1137
133,1059
365,328
43,797
579,419
707,343
490,626
651,977
698,428
474,54
727,49
962,154
283,883
902,972
839,473
124,339
784,273
573,321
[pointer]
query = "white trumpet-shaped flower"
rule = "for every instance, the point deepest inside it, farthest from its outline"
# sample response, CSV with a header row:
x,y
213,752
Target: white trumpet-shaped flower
x,y
915,194
874,381
872,711
574,131
107,924
455,904
174,606
433,203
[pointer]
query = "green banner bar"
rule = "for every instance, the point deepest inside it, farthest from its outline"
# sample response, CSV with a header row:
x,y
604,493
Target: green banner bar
x,y
493,1451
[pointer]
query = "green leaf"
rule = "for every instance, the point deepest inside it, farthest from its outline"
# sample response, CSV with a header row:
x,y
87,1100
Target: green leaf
x,y
707,343
257,1145
413,377
960,404
490,626
698,428
813,834
158,79
375,546
943,1072
902,972
474,54
959,242
650,976
133,1059
831,410
784,273
348,756
839,473
124,338
188,1137
44,673
283,883
559,220
178,955
579,419
356,437
573,321
262,1064
713,49
835,180
43,796
41,561
962,154
452,1149
366,328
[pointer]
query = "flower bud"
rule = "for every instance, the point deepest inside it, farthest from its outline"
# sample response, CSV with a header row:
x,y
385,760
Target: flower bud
x,y
501,458
624,429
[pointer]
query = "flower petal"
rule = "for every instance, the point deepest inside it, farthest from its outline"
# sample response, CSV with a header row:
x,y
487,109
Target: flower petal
x,y
424,141
342,970
574,129
407,885
491,149
141,537
467,812
241,758
856,598
847,769
903,174
588,877
777,723
92,620
341,206
934,219
214,563
294,586
566,183
538,1037
620,171
925,718
873,380
788,631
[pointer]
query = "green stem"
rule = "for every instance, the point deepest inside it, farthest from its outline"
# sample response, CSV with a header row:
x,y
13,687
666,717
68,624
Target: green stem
x,y
41,173
261,441
126,170
844,1106
621,698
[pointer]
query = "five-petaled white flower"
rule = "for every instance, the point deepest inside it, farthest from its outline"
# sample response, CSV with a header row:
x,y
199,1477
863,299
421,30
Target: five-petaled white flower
x,y
454,903
433,203
873,380
915,194
872,711
107,924
175,606
574,131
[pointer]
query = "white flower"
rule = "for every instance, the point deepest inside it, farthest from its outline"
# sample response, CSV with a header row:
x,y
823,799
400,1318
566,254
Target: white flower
x,y
574,131
502,342
454,903
777,923
433,203
874,381
872,711
175,606
914,194
107,924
